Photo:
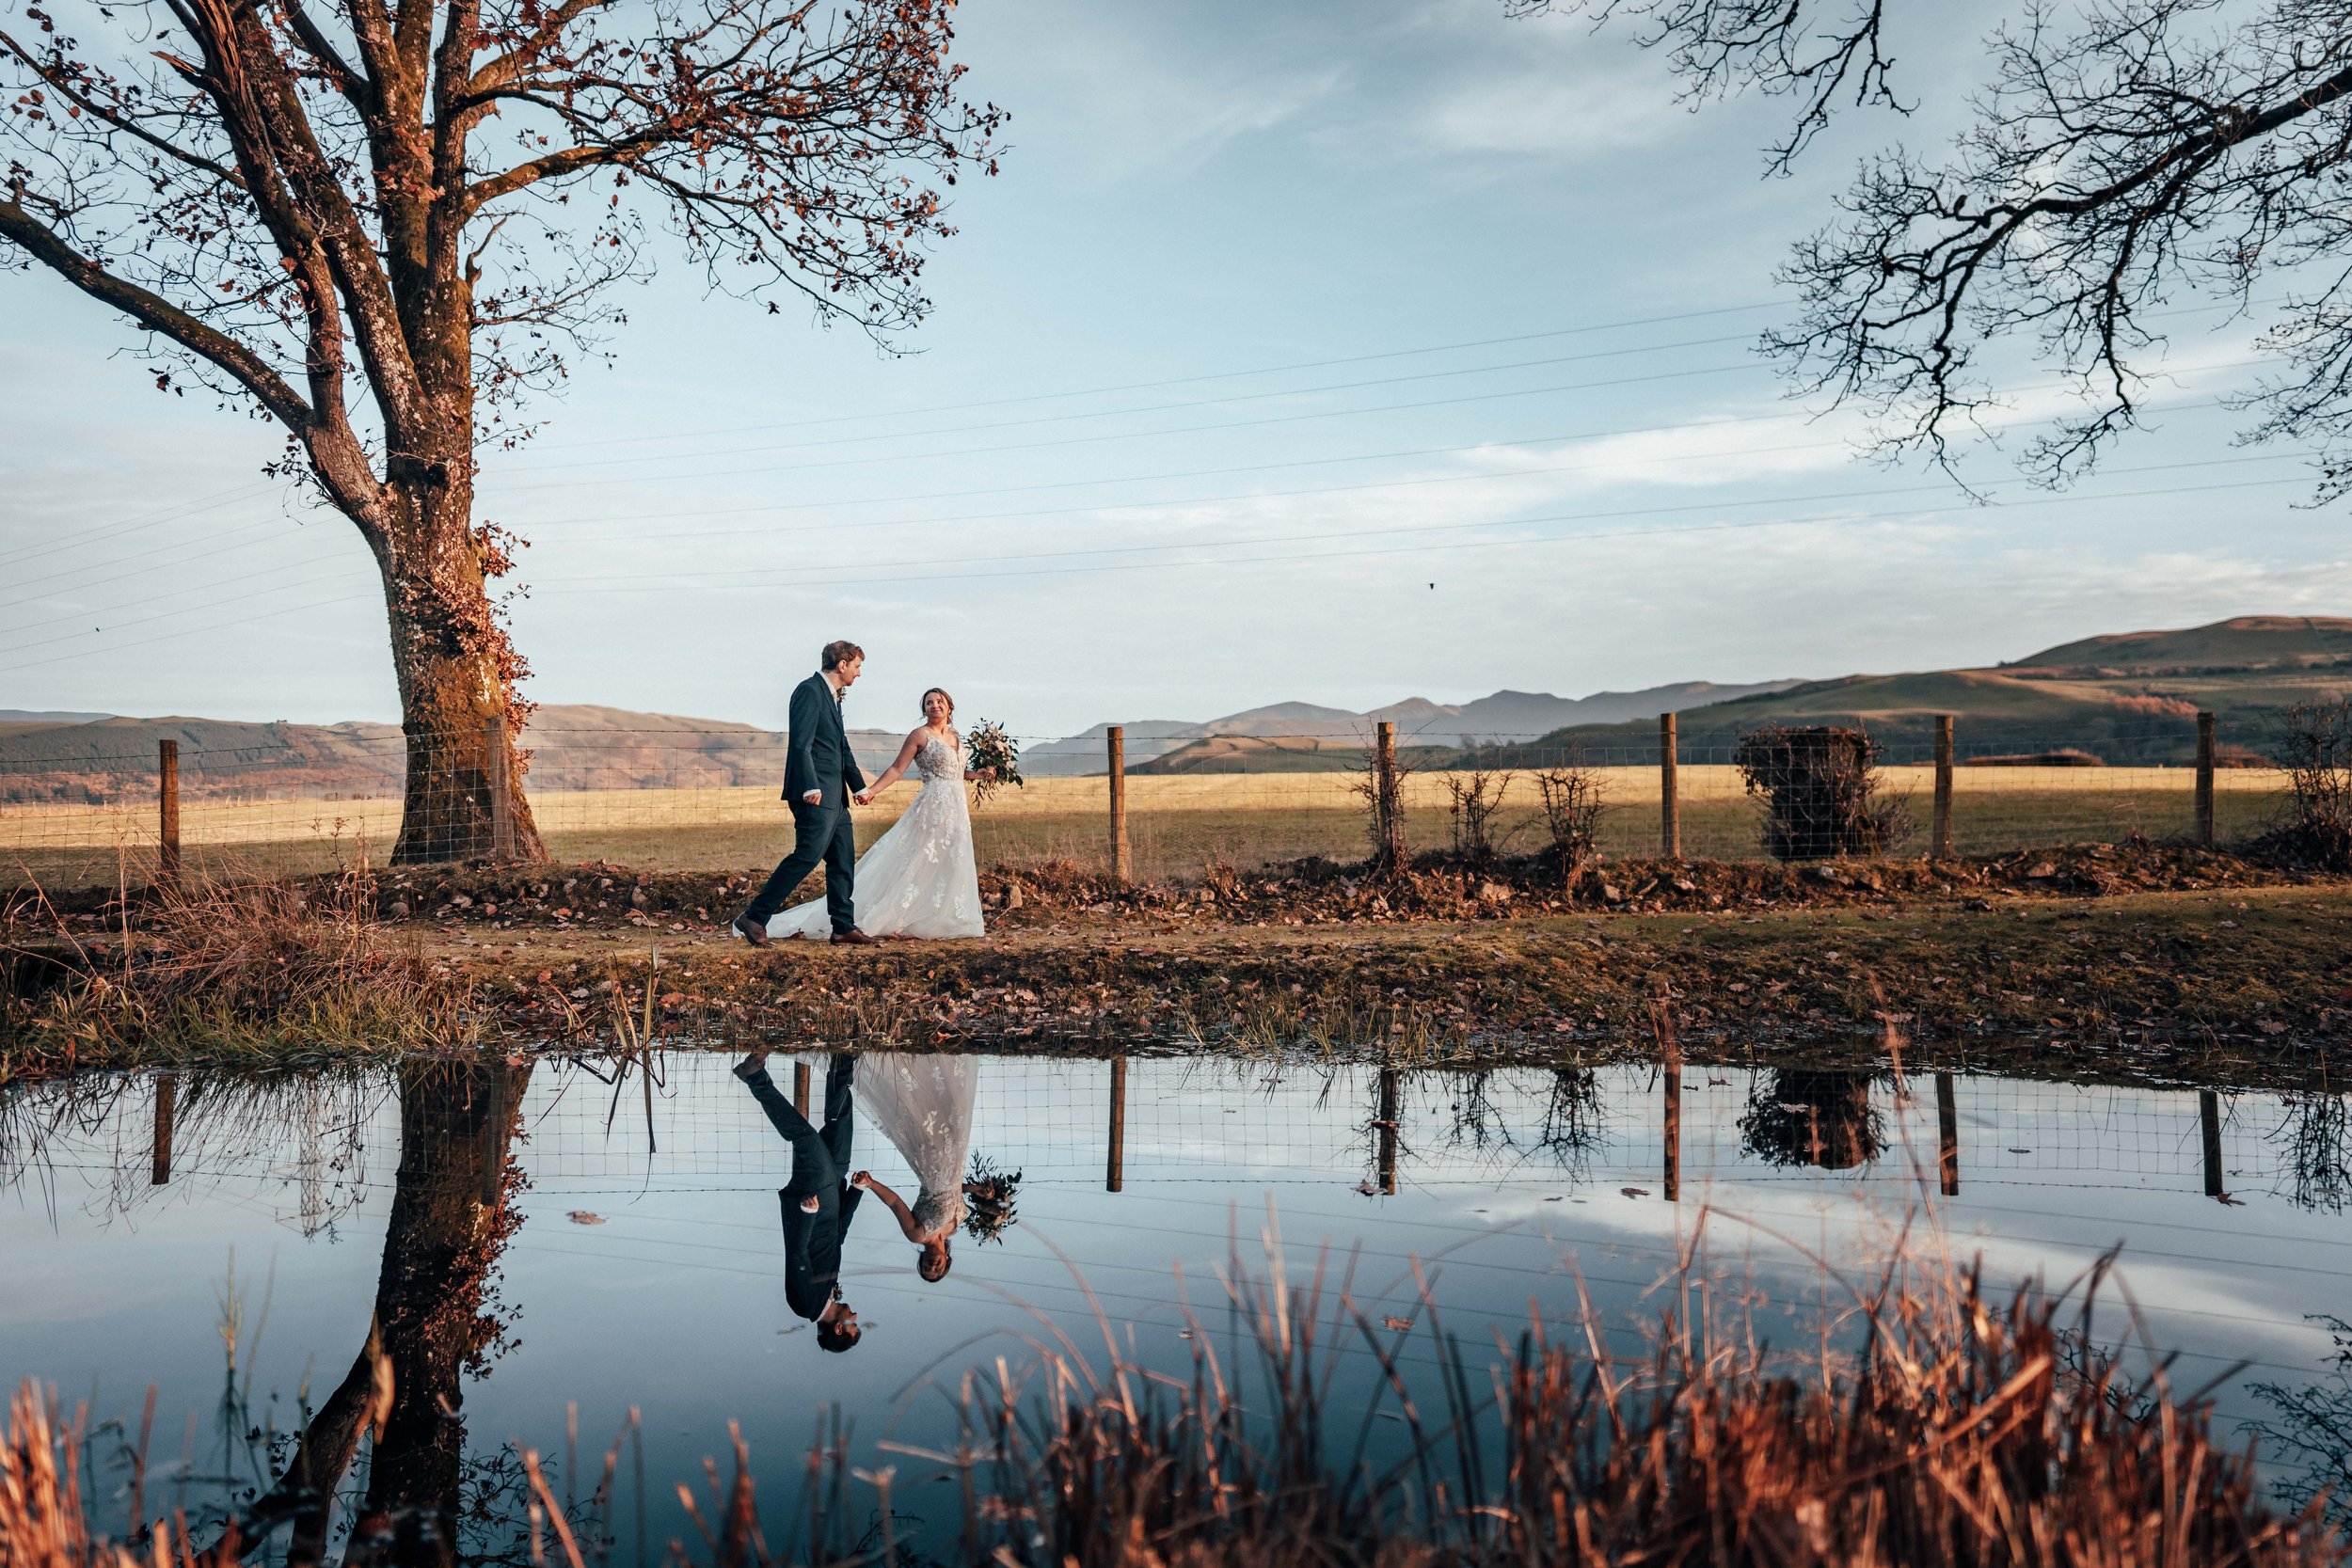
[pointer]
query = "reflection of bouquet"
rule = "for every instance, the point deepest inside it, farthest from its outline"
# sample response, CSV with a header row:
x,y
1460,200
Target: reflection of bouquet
x,y
989,1210
988,747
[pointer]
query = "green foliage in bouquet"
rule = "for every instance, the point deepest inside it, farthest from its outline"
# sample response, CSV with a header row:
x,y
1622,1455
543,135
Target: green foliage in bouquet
x,y
988,747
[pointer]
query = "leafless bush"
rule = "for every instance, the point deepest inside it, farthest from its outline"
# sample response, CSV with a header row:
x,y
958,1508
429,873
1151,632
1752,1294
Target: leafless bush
x,y
1475,800
1820,785
1572,808
2315,749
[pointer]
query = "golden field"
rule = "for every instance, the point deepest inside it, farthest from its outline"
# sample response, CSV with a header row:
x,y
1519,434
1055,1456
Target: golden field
x,y
1177,824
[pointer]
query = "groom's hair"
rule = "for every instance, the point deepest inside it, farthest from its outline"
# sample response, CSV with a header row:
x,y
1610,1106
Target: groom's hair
x,y
837,1338
839,653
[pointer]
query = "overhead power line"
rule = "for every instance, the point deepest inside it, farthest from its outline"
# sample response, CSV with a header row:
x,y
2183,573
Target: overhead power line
x,y
902,575
1177,380
1144,408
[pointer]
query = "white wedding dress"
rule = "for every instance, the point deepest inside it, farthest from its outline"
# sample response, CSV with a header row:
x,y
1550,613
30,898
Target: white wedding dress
x,y
923,1104
919,878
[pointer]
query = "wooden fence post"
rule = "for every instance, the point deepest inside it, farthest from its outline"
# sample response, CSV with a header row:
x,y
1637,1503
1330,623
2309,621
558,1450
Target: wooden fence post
x,y
1669,792
2209,1128
1387,1128
501,792
1123,870
1946,1136
167,796
799,1087
167,1104
1387,807
1940,845
2205,779
1115,1173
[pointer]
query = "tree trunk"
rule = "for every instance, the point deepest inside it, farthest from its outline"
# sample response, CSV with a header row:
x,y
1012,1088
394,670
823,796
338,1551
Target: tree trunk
x,y
456,666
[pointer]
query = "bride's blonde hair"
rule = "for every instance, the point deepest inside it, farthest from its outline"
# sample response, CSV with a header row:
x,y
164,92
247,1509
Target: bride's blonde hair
x,y
941,692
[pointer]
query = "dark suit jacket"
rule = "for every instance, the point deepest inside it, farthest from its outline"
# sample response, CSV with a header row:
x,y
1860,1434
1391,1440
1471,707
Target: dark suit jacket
x,y
816,747
812,1244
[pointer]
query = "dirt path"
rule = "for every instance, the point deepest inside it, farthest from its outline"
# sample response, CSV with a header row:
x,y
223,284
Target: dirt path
x,y
2241,980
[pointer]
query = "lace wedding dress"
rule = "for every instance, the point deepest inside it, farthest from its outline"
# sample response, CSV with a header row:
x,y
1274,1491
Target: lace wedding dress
x,y
919,878
923,1104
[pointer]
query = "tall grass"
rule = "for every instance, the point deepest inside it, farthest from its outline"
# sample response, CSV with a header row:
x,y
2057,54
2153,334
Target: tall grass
x,y
242,972
1950,1432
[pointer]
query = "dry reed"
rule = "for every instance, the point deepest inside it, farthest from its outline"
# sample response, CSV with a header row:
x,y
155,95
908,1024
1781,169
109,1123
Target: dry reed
x,y
238,971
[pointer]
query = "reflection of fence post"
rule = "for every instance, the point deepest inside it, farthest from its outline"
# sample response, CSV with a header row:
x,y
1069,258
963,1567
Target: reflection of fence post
x,y
1115,740
1387,808
1669,793
166,1104
1669,1075
799,1087
501,791
1940,845
1946,1136
2209,1126
1115,1172
168,798
2205,779
1387,1125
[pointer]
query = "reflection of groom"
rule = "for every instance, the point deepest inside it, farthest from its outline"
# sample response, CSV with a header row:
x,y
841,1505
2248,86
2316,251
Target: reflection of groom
x,y
819,774
816,1201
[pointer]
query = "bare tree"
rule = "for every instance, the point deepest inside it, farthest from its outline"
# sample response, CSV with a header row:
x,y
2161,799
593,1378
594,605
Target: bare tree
x,y
2121,154
382,222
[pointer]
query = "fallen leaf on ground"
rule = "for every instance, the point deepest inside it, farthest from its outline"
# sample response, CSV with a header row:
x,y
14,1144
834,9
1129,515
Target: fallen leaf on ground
x,y
581,1216
1634,1192
1397,1323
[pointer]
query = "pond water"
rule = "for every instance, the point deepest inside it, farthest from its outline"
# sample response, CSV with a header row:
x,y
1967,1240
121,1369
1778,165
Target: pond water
x,y
230,1242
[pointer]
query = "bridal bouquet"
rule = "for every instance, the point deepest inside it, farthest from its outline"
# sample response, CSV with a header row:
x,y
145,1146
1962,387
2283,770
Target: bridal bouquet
x,y
988,747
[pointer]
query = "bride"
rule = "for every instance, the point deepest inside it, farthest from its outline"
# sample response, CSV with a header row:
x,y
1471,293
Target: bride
x,y
919,878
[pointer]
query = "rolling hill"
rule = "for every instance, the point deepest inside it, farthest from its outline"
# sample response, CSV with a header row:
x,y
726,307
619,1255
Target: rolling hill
x,y
574,746
2125,698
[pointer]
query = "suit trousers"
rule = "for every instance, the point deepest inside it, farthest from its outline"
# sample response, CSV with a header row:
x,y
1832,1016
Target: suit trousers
x,y
820,832
821,1158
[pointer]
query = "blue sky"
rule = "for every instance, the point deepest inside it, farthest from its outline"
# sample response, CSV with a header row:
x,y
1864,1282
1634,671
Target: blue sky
x,y
1526,443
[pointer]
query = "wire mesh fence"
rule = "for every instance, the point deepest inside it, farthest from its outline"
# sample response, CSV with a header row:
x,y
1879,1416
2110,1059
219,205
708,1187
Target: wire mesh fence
x,y
322,1140
82,809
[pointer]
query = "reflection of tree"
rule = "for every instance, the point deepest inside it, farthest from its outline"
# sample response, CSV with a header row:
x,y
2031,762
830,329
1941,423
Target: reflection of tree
x,y
1477,1119
308,1126
437,1318
1810,1117
2318,1132
1573,1127
2313,1432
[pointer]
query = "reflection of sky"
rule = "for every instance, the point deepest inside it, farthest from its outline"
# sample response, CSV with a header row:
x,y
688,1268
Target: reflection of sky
x,y
674,1302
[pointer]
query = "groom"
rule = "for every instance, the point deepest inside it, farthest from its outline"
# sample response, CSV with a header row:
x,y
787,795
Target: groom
x,y
818,775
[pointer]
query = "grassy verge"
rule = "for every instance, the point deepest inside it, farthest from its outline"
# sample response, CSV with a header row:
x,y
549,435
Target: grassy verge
x,y
247,974
2142,964
2244,986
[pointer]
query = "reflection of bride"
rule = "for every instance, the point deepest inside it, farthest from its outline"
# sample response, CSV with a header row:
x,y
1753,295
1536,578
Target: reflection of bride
x,y
919,878
923,1104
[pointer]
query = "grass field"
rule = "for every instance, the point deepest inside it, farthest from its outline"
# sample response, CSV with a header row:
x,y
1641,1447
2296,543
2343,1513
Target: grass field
x,y
1176,824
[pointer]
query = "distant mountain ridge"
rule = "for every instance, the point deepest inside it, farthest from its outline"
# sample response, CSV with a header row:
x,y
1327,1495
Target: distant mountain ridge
x,y
2128,699
1500,718
574,746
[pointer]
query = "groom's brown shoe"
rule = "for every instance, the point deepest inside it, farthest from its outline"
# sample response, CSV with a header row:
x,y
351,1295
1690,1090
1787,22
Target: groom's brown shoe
x,y
853,937
752,932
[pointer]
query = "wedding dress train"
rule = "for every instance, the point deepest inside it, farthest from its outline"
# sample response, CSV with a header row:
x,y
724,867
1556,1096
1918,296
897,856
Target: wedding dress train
x,y
919,878
923,1104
